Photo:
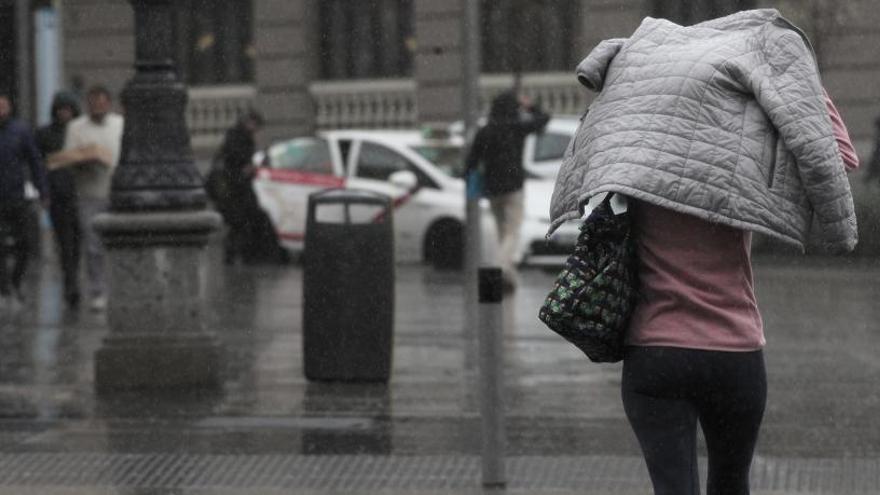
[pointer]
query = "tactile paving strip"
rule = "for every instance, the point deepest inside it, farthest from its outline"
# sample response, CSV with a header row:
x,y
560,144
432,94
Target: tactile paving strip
x,y
418,473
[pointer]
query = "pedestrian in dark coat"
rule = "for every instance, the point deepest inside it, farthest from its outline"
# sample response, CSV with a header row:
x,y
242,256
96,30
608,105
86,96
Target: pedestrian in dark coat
x,y
64,208
18,156
239,203
498,150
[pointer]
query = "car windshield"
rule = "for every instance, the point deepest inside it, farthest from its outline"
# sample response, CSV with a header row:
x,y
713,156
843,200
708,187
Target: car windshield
x,y
551,146
304,154
448,158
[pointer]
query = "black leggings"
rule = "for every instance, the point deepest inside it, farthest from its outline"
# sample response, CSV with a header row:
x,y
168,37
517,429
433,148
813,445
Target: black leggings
x,y
666,390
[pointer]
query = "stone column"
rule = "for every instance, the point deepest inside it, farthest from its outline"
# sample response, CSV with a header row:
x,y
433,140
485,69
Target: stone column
x,y
97,43
286,39
156,230
438,61
24,59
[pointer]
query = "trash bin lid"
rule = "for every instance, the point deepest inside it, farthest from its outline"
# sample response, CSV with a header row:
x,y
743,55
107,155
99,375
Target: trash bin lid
x,y
349,196
348,206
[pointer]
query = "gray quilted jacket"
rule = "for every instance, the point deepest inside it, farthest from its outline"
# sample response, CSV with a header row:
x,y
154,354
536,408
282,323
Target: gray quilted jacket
x,y
724,120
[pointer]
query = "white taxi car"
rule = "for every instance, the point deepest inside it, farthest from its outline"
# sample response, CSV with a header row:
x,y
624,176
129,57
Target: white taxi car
x,y
417,172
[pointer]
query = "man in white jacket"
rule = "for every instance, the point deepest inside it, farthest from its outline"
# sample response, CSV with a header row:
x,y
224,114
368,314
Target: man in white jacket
x,y
92,147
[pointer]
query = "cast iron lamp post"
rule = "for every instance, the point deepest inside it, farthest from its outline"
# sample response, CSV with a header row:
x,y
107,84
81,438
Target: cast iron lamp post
x,y
156,230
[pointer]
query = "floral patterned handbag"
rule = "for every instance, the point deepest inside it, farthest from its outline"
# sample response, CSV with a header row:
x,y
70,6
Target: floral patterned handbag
x,y
594,295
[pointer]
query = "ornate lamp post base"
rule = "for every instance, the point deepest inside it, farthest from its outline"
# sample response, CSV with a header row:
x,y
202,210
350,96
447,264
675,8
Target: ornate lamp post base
x,y
155,281
156,230
135,362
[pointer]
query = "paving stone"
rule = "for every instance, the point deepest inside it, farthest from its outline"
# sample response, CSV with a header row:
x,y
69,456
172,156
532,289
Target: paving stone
x,y
271,431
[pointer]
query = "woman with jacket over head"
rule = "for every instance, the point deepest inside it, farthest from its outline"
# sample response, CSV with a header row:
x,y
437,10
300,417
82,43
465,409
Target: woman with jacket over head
x,y
732,137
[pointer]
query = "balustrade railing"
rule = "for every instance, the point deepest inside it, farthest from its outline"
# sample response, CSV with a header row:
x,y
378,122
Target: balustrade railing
x,y
380,103
214,109
365,103
392,102
558,92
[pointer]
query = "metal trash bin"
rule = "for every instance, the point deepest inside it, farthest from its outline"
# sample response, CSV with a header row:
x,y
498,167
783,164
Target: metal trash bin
x,y
348,286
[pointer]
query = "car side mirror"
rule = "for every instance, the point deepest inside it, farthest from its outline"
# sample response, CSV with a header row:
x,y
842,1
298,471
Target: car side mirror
x,y
404,179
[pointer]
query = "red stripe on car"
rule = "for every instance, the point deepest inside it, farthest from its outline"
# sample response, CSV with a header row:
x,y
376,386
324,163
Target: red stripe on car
x,y
396,203
305,178
291,236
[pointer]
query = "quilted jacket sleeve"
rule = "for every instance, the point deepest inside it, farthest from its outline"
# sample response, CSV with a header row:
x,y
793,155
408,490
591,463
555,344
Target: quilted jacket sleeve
x,y
787,86
591,71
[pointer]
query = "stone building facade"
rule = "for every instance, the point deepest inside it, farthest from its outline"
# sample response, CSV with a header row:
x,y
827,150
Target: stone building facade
x,y
288,45
310,64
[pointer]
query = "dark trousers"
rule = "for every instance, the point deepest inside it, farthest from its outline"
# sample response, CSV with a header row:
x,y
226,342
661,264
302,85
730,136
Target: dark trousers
x,y
667,391
237,213
251,236
64,213
14,244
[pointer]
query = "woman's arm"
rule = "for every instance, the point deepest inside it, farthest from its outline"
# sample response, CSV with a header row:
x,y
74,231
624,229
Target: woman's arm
x,y
538,119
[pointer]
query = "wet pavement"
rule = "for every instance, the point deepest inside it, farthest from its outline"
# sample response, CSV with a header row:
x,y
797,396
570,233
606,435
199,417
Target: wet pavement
x,y
269,430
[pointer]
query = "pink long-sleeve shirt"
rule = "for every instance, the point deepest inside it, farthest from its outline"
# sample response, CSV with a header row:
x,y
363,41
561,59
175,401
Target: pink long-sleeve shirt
x,y
696,277
841,134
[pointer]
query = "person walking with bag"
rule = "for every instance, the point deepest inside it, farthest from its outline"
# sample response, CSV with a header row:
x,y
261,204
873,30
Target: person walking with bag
x,y
239,205
498,149
19,160
733,138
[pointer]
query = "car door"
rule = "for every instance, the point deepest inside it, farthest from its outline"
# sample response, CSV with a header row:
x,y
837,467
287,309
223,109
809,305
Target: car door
x,y
543,152
372,164
292,170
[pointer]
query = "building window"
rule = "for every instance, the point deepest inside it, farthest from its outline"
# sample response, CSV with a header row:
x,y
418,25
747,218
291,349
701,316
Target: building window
x,y
214,41
528,35
363,39
687,13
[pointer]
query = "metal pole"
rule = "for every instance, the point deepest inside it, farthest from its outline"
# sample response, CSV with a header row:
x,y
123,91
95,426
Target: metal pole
x,y
471,110
492,376
157,170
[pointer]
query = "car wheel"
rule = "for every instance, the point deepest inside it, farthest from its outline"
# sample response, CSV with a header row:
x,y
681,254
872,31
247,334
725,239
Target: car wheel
x,y
444,245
